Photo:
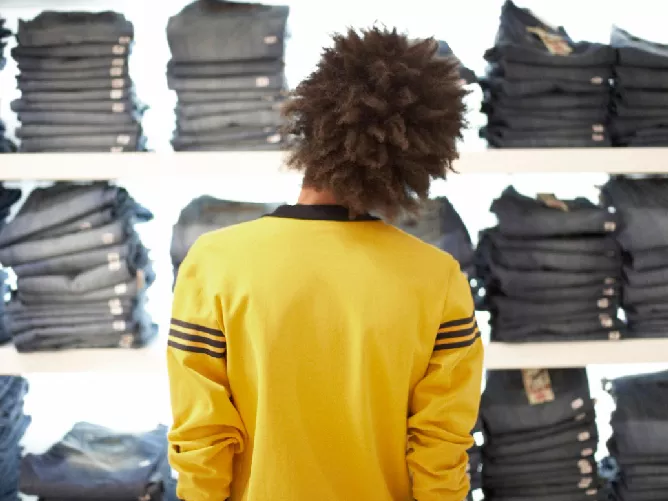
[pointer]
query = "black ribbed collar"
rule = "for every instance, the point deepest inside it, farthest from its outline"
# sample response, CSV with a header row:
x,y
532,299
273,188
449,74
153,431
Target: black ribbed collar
x,y
319,213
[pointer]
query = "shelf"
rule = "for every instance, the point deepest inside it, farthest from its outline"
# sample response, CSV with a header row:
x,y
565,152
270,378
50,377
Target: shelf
x,y
498,356
99,166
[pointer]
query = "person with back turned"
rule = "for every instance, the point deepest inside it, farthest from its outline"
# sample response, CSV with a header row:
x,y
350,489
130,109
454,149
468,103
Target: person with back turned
x,y
320,353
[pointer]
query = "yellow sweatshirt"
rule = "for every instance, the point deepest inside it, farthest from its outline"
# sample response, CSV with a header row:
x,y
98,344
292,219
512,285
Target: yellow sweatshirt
x,y
316,358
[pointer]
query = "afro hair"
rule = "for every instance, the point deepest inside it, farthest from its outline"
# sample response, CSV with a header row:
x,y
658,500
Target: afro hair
x,y
377,121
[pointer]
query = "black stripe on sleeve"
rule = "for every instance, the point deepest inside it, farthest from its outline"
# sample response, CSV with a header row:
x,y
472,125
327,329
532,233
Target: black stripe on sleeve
x,y
197,339
194,349
456,334
460,344
201,328
457,323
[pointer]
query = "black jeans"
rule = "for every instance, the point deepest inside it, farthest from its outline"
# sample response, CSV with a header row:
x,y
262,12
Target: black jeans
x,y
225,69
594,75
523,88
635,51
641,78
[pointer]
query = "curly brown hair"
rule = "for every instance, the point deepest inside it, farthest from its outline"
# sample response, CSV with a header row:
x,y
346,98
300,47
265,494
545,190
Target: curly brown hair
x,y
377,121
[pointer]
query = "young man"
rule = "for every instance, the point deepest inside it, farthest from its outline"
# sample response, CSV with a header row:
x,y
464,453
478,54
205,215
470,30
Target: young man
x,y
318,353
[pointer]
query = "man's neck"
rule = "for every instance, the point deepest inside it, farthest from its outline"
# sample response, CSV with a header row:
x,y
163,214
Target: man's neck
x,y
311,196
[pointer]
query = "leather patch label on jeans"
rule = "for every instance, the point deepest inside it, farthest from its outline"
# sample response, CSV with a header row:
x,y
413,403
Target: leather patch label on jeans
x,y
555,44
537,386
552,201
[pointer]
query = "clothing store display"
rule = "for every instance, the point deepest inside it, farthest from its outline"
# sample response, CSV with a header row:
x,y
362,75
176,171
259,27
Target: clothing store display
x,y
8,197
540,436
76,92
638,445
551,270
542,89
13,424
640,102
642,205
81,270
227,69
6,145
93,462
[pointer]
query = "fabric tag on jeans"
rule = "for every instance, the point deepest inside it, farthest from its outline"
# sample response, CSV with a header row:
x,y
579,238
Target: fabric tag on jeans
x,y
126,341
261,81
141,279
116,94
117,83
587,452
123,139
118,50
86,225
537,386
596,80
116,149
585,467
597,137
118,62
118,107
121,289
555,44
270,39
552,201
591,492
118,325
610,226
603,303
576,404
114,265
615,336
276,138
585,482
584,436
108,238
124,40
600,128
116,72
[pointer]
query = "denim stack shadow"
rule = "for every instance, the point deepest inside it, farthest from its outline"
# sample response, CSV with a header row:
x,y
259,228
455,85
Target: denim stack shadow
x,y
81,269
6,146
13,425
227,69
76,92
640,104
474,468
536,97
642,205
539,442
93,462
206,213
638,444
551,270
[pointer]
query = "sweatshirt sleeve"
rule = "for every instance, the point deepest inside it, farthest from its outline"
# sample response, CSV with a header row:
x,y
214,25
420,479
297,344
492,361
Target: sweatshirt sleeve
x,y
444,404
207,430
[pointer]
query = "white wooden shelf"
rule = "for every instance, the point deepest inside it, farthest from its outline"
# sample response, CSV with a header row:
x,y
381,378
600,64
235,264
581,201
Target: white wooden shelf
x,y
99,166
498,356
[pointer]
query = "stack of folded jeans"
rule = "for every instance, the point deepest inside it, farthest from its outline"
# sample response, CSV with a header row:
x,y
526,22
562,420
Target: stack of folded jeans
x,y
227,69
76,93
642,205
82,270
6,146
13,424
204,214
640,104
540,436
542,89
551,270
638,444
92,462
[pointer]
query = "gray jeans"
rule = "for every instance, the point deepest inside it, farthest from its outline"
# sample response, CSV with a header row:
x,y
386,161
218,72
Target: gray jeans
x,y
78,118
108,83
213,84
71,64
67,131
92,140
103,106
270,118
119,291
36,250
78,95
87,74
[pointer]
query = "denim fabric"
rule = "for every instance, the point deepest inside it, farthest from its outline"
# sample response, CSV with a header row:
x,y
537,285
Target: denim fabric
x,y
548,260
517,310
593,75
584,54
117,307
642,98
75,76
635,234
225,69
657,276
13,425
535,123
59,28
649,260
81,50
269,118
192,97
557,142
542,433
635,51
623,192
44,143
36,250
273,82
67,132
564,331
585,115
212,31
634,295
102,106
549,102
119,291
500,133
16,325
96,463
129,251
522,216
525,88
74,64
576,467
185,111
227,135
251,145
641,78
624,111
556,440
121,95
79,118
